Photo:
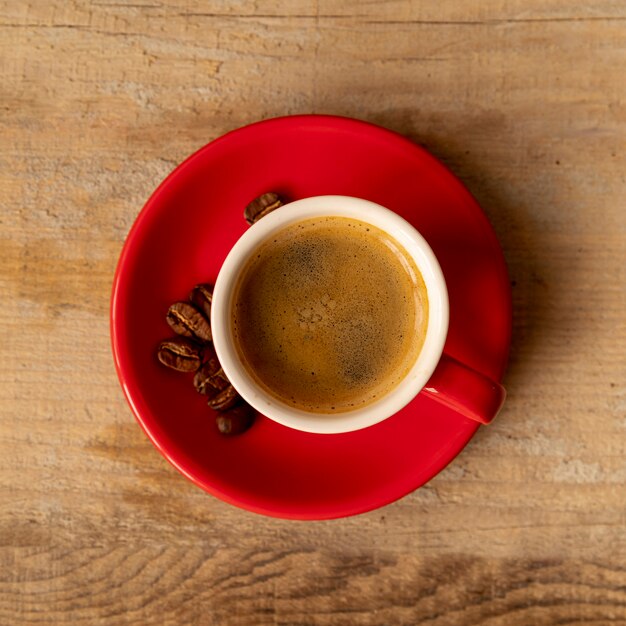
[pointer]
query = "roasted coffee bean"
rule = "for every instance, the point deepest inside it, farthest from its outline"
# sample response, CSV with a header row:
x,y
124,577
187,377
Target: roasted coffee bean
x,y
180,354
224,400
186,320
210,378
202,379
235,421
261,206
201,296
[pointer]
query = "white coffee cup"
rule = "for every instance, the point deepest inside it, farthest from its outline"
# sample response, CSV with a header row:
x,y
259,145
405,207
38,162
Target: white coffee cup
x,y
485,396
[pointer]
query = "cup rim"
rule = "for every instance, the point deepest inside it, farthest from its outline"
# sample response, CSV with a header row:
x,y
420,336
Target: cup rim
x,y
437,327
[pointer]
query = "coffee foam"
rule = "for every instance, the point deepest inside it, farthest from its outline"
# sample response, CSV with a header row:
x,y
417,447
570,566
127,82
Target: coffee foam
x,y
329,314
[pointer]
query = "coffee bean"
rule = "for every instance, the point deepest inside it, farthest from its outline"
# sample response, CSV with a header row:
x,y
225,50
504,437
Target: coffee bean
x,y
224,400
186,320
235,421
210,378
180,354
261,206
201,296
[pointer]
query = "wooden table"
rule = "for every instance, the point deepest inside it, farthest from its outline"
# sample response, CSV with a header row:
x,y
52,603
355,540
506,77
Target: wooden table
x,y
525,101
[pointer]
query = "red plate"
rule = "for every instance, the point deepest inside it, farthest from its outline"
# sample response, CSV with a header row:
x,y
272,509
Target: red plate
x,y
182,237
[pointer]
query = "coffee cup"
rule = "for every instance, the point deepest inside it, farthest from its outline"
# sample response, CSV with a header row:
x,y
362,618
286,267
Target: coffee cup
x,y
433,373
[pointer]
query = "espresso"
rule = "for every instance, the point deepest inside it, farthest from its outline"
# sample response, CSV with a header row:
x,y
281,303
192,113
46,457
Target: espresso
x,y
329,314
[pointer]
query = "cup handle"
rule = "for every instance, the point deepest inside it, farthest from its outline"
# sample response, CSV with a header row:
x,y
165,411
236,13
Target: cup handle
x,y
465,390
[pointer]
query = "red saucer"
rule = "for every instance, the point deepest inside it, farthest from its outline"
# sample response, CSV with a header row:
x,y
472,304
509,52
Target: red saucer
x,y
182,237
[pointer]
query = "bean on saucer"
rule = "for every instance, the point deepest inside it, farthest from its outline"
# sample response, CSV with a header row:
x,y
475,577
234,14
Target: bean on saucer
x,y
235,421
186,320
201,296
261,206
224,400
180,354
210,378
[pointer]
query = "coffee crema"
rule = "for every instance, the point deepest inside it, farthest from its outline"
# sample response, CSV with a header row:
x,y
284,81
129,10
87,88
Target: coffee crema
x,y
329,314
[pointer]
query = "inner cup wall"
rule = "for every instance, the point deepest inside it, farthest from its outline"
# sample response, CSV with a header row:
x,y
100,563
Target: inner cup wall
x,y
329,314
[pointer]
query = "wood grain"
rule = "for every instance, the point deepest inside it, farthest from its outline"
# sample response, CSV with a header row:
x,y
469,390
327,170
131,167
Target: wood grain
x,y
525,101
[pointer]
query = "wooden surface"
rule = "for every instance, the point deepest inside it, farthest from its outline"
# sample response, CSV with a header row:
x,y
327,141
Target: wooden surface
x,y
524,100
